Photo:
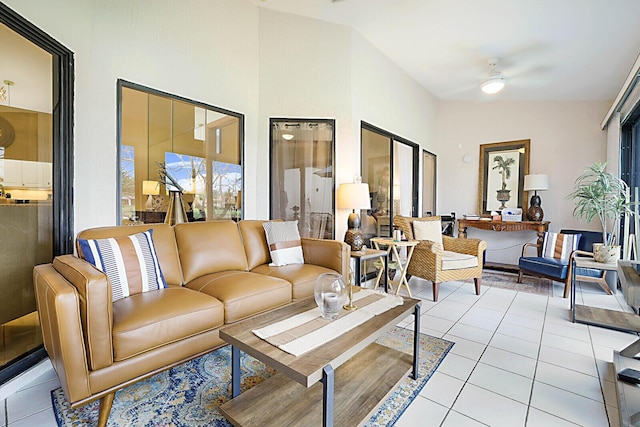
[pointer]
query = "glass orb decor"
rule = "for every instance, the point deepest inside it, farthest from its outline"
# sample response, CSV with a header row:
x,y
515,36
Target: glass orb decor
x,y
330,292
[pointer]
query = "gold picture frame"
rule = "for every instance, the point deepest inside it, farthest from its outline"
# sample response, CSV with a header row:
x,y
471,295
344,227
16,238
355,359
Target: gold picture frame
x,y
503,166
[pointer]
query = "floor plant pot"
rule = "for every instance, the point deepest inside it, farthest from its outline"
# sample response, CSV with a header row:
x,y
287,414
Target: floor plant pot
x,y
607,254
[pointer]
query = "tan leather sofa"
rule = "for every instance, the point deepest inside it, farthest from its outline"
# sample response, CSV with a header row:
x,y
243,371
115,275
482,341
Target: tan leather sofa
x,y
217,273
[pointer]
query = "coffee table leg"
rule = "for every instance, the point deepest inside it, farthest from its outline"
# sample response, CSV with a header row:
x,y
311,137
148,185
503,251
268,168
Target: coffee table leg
x,y
327,396
235,371
416,341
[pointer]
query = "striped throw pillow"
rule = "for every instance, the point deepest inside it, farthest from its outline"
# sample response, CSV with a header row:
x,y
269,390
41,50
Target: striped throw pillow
x,y
556,245
284,243
130,263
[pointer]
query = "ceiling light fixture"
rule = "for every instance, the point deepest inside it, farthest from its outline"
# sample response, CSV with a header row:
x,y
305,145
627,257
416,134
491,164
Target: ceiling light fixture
x,y
495,82
287,136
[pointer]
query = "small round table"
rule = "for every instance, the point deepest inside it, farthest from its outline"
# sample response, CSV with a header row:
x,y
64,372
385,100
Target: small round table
x,y
392,247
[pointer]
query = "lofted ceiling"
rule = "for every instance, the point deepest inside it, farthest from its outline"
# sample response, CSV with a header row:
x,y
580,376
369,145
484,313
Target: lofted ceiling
x,y
548,49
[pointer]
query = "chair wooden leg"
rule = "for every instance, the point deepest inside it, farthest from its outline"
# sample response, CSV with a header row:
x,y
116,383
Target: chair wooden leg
x,y
477,281
520,272
105,409
436,288
567,287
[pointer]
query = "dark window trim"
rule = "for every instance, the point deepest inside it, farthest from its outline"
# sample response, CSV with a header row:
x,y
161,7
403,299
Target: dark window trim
x,y
63,76
124,83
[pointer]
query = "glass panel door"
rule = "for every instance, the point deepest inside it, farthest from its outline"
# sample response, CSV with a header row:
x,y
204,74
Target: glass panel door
x,y
302,182
26,190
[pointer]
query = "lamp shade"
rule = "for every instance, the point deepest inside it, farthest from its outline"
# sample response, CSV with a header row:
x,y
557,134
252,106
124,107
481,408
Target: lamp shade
x,y
354,196
536,182
150,188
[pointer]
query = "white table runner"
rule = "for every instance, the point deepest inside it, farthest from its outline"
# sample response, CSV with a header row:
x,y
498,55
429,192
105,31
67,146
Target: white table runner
x,y
347,321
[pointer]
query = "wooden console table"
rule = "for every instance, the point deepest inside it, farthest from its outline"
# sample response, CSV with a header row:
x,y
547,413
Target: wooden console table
x,y
538,226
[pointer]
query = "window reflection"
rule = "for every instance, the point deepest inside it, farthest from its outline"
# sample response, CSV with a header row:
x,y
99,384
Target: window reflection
x,y
173,146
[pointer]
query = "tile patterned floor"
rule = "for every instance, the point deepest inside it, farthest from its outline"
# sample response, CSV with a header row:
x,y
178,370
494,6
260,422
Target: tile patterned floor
x,y
517,361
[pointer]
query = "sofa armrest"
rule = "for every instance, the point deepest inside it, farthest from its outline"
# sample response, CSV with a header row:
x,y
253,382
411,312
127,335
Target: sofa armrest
x,y
58,305
95,305
331,254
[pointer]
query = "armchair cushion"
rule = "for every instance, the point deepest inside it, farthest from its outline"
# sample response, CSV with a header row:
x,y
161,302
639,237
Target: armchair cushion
x,y
130,263
558,245
552,267
427,230
456,261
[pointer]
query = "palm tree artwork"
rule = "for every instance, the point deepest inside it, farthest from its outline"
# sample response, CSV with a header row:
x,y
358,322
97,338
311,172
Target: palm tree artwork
x,y
503,165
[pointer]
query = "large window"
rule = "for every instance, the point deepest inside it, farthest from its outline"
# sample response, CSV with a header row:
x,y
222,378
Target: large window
x,y
302,183
172,145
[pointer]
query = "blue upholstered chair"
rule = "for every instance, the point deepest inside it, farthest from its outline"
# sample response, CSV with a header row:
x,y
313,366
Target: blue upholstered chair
x,y
559,268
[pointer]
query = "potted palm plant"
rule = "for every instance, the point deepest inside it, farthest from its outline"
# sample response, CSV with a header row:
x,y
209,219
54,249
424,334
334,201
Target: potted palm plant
x,y
504,169
599,193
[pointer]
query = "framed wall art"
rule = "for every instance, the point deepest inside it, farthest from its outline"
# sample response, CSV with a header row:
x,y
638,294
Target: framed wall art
x,y
503,166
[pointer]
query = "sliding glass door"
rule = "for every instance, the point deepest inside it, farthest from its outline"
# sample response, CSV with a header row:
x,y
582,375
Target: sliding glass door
x,y
390,167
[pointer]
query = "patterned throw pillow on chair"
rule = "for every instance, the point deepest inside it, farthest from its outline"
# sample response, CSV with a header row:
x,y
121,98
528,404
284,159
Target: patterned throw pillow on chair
x,y
556,245
284,243
130,263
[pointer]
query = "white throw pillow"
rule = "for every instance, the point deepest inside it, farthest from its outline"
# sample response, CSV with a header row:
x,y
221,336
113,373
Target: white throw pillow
x,y
284,243
427,230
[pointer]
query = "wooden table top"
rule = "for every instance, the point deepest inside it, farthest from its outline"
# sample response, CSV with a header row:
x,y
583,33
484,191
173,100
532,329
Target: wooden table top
x,y
306,369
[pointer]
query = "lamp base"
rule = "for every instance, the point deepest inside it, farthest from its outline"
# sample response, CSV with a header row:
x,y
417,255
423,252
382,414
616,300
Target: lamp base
x,y
353,237
535,212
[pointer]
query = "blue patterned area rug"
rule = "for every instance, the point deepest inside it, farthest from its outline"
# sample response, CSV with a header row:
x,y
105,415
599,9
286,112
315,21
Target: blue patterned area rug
x,y
190,394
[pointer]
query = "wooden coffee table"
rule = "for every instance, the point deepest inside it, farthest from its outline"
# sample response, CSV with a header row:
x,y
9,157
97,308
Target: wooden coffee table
x,y
343,381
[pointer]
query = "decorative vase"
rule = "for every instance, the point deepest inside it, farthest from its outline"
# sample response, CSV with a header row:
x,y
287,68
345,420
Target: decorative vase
x,y
176,212
606,254
503,197
330,293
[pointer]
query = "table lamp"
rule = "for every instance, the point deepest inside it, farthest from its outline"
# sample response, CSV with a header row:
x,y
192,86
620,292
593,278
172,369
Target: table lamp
x,y
150,188
535,182
354,196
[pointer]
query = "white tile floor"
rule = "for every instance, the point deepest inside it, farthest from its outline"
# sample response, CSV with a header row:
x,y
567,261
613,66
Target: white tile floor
x,y
517,361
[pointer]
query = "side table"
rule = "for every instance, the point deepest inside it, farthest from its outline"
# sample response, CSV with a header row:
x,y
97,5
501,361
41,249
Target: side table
x,y
596,316
367,254
392,247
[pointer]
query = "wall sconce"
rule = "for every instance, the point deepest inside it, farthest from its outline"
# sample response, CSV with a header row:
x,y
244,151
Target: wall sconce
x,y
150,188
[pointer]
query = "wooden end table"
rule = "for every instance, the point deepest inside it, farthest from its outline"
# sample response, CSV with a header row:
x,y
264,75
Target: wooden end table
x,y
392,247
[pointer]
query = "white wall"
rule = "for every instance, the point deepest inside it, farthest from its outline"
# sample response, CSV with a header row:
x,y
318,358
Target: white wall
x,y
565,139
206,50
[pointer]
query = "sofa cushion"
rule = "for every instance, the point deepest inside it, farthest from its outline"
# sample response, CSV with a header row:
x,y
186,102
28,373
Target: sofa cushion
x,y
284,243
552,267
558,245
254,239
243,293
130,263
456,261
209,247
150,320
301,276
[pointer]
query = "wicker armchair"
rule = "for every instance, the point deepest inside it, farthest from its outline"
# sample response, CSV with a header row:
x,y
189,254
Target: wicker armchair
x,y
428,256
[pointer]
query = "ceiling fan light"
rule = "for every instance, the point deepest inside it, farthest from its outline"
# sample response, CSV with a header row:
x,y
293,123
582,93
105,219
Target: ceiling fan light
x,y
493,84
